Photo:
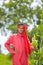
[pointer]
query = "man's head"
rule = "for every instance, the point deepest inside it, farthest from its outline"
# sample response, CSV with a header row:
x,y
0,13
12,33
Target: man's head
x,y
21,28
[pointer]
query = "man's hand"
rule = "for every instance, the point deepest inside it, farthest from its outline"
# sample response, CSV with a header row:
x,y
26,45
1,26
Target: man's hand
x,y
12,47
15,52
32,48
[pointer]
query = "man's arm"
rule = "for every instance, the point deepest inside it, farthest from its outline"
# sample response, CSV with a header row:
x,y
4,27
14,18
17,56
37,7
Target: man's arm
x,y
7,44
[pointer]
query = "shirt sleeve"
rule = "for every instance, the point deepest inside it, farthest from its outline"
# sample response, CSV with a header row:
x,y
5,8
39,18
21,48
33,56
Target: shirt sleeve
x,y
7,44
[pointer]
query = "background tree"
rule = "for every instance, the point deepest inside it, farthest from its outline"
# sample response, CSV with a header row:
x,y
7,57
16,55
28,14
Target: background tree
x,y
15,11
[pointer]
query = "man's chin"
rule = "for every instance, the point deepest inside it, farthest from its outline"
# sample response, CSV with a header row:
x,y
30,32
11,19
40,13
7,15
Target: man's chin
x,y
20,32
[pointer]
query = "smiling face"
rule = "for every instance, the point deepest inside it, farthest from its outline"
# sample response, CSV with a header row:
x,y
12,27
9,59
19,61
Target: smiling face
x,y
20,29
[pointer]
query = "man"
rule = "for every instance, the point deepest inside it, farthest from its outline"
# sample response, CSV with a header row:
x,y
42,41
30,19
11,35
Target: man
x,y
19,46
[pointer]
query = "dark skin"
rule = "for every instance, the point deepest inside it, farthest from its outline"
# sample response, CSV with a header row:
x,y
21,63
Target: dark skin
x,y
20,30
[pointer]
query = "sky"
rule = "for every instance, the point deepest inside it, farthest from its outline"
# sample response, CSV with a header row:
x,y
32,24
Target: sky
x,y
3,38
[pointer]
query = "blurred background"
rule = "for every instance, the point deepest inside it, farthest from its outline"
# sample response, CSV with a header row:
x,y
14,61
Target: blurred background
x,y
29,12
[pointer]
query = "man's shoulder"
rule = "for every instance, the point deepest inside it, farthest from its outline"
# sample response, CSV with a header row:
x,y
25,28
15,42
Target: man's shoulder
x,y
13,35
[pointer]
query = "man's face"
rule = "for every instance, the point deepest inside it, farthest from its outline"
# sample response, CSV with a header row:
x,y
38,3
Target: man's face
x,y
20,29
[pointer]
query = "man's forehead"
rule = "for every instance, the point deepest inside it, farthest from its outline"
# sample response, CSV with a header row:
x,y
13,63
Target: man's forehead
x,y
21,26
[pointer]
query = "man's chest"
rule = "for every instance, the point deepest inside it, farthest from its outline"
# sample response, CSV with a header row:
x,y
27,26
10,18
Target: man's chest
x,y
18,42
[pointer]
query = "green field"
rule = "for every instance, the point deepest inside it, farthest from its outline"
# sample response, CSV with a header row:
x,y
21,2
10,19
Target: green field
x,y
4,60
